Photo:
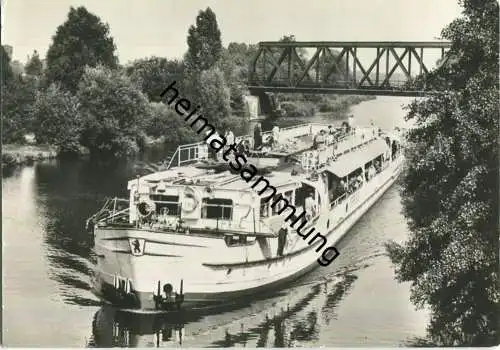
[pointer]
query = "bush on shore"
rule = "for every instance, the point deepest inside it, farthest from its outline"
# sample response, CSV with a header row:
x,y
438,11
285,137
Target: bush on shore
x,y
88,99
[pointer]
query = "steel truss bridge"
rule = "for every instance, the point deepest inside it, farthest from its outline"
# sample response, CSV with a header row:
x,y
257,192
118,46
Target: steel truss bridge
x,y
335,67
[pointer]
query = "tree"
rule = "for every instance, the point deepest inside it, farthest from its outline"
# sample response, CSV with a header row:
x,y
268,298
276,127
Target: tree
x,y
204,50
113,111
204,42
34,65
6,69
215,102
450,187
83,40
18,97
163,120
154,74
57,120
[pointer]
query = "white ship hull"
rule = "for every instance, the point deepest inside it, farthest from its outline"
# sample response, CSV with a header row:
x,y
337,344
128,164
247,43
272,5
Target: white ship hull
x,y
210,271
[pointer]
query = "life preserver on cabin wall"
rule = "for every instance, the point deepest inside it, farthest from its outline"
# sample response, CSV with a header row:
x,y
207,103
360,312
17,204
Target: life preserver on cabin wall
x,y
190,199
146,207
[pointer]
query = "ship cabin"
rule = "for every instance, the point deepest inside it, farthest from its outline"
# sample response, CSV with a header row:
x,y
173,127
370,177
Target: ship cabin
x,y
195,200
354,169
200,202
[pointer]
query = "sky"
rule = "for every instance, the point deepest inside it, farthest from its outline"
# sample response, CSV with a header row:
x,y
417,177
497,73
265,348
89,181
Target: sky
x,y
159,27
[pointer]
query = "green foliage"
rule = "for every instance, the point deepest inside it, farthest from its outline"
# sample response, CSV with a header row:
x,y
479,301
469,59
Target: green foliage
x,y
83,40
164,120
86,98
297,109
204,50
18,97
114,111
240,56
234,70
204,42
5,68
34,65
214,98
154,74
450,187
57,120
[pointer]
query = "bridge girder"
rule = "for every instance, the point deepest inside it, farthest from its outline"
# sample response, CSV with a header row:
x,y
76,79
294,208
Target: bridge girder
x,y
335,67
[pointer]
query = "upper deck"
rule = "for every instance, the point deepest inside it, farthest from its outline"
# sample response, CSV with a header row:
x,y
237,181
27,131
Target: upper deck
x,y
190,163
221,201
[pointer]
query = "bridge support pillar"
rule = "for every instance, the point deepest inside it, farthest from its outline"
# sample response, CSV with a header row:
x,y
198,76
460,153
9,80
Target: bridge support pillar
x,y
255,120
261,107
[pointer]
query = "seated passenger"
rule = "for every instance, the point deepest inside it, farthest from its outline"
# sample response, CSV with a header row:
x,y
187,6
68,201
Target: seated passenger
x,y
275,137
345,128
310,207
371,171
359,180
240,149
246,146
343,186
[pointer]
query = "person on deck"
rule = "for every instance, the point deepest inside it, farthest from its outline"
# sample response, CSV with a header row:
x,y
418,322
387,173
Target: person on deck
x,y
257,137
240,149
328,137
352,126
246,146
229,137
310,207
342,187
282,235
319,140
331,135
371,171
211,150
331,142
359,180
276,137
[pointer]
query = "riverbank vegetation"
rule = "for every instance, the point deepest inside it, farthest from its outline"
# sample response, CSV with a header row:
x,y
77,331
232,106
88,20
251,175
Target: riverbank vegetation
x,y
450,187
83,98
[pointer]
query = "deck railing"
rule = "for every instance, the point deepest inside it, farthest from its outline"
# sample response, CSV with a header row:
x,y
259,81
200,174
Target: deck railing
x,y
117,210
189,153
193,152
114,209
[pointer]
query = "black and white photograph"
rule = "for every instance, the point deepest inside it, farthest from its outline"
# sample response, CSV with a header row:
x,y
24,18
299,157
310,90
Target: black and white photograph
x,y
252,173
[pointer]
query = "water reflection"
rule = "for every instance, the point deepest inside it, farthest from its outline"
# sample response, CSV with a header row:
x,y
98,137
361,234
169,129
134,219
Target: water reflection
x,y
292,318
48,263
66,193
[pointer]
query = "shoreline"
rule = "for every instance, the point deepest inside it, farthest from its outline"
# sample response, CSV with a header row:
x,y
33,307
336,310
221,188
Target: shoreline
x,y
14,155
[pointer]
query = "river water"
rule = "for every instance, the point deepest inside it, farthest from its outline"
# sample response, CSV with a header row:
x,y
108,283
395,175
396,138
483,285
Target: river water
x,y
47,265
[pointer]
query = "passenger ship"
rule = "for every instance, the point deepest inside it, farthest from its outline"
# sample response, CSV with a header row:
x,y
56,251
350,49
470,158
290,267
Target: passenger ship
x,y
197,234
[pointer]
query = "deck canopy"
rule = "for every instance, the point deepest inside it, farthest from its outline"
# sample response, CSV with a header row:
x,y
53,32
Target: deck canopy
x,y
351,161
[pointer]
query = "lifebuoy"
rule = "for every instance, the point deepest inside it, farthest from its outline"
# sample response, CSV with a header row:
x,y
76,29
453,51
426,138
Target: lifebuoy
x,y
146,207
191,200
